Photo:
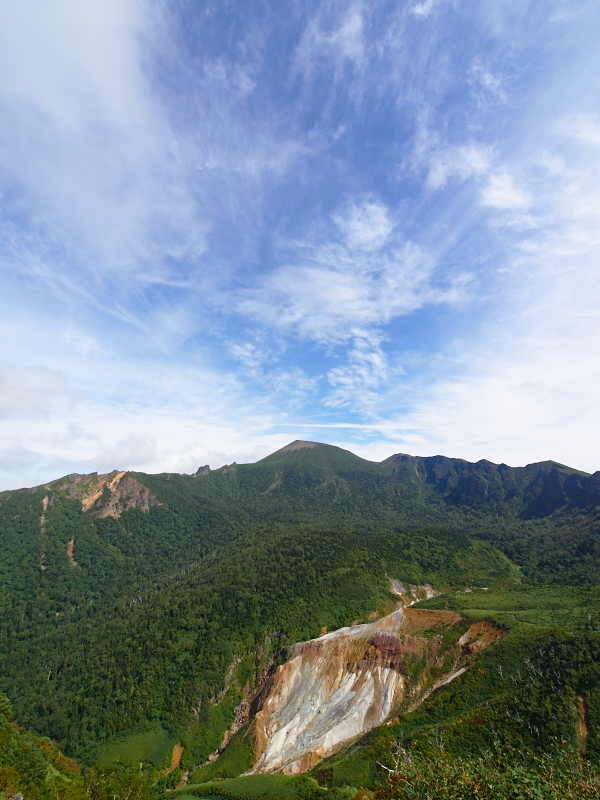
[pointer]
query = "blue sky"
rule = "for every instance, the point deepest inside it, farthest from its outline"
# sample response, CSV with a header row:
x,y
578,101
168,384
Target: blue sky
x,y
227,225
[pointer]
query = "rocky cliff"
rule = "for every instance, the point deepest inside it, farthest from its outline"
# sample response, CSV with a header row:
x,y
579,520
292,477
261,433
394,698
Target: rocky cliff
x,y
336,688
105,495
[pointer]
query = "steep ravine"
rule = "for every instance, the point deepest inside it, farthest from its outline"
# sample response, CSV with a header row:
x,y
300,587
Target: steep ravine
x,y
334,689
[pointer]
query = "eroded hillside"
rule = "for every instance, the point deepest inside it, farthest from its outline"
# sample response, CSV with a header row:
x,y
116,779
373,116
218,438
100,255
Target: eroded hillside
x,y
336,688
106,495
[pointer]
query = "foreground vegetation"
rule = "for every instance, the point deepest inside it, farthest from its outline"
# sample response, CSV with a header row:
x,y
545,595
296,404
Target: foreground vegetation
x,y
535,688
36,769
495,775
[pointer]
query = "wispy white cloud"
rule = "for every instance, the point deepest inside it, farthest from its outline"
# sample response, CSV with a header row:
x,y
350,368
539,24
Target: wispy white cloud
x,y
171,418
79,340
487,83
338,43
365,226
583,127
425,8
152,164
459,162
118,194
358,382
362,277
272,373
293,386
527,390
502,192
84,145
250,355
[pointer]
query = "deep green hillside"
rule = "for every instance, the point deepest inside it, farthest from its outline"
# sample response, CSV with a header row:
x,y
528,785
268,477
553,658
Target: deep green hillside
x,y
135,602
33,766
545,517
88,672
534,491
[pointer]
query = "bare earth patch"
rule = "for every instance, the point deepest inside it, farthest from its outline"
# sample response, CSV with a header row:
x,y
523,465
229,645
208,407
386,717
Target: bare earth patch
x,y
120,491
175,759
70,552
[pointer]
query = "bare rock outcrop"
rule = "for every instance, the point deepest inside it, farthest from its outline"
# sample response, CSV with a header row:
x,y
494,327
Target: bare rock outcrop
x,y
408,597
106,495
335,688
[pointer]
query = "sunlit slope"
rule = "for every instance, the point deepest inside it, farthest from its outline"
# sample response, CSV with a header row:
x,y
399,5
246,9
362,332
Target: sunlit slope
x,y
94,670
537,689
544,517
127,597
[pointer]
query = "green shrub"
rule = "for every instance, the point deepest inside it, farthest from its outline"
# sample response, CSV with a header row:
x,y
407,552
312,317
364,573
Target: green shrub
x,y
492,776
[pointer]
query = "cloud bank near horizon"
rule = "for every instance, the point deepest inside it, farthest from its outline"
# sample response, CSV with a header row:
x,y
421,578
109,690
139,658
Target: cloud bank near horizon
x,y
222,229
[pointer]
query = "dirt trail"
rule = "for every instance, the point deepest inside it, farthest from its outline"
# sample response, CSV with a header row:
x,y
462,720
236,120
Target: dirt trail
x,y
43,519
175,760
70,552
582,725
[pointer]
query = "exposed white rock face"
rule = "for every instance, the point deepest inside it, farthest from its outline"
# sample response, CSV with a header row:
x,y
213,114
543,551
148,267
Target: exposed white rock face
x,y
336,688
416,593
330,691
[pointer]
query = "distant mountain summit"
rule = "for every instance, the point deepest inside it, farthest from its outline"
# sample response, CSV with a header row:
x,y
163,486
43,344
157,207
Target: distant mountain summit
x,y
298,444
534,491
317,455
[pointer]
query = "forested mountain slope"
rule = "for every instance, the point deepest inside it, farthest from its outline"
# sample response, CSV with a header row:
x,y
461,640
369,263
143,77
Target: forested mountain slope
x,y
135,602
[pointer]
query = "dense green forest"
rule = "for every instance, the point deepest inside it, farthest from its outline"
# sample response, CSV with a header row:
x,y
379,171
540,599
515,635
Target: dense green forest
x,y
149,621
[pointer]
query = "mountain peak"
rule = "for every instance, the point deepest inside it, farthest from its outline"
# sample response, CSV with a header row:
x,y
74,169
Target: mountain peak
x,y
318,455
297,444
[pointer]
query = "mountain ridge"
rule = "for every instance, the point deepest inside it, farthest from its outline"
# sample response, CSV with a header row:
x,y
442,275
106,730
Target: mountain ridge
x,y
300,444
346,457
